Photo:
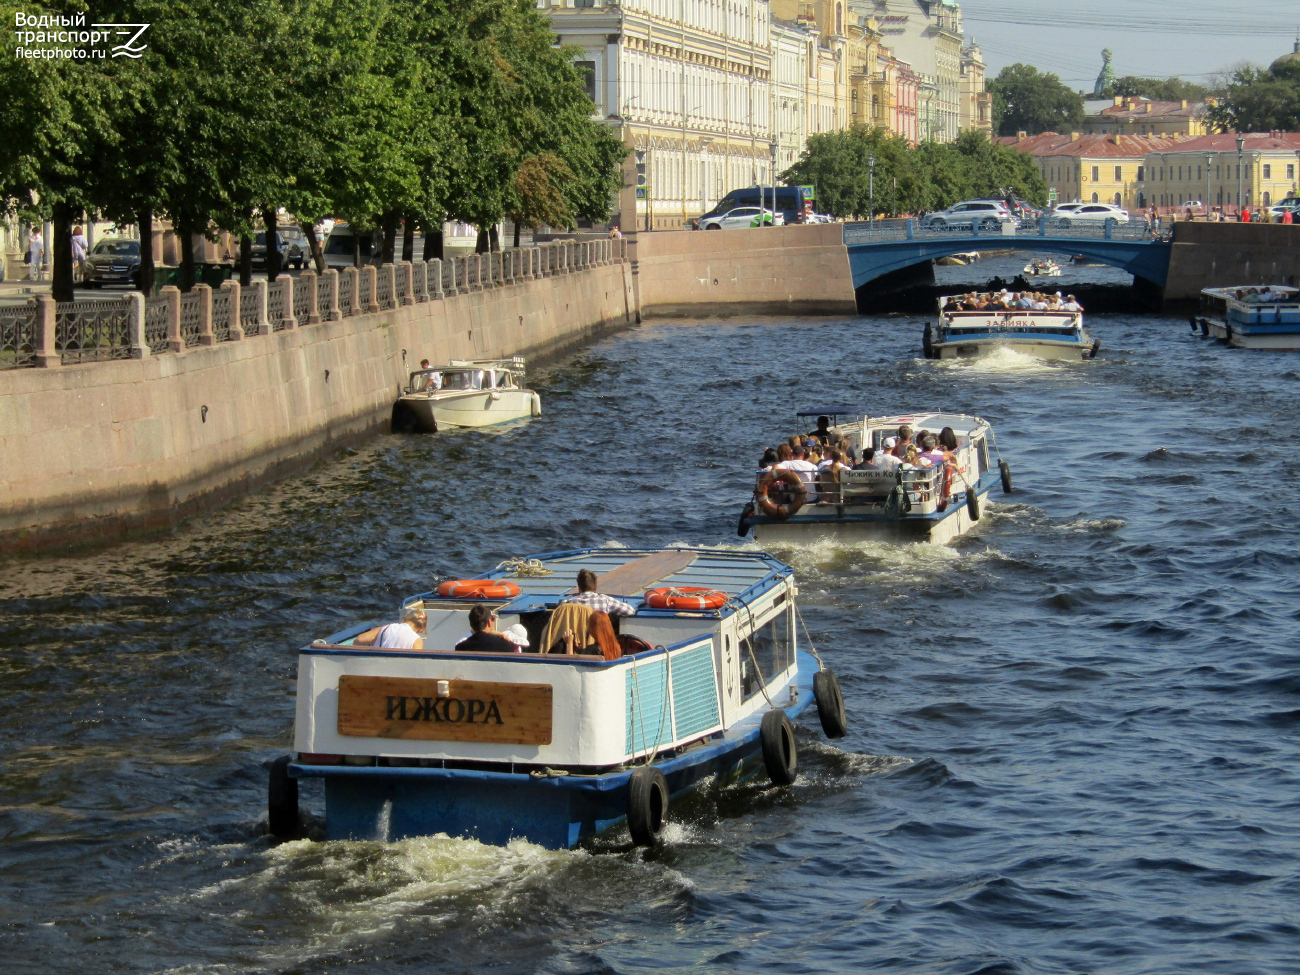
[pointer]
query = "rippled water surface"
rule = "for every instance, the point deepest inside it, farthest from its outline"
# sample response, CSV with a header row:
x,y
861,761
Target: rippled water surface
x,y
1073,743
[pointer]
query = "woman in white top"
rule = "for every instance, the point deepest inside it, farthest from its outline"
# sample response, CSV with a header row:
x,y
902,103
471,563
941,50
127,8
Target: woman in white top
x,y
406,635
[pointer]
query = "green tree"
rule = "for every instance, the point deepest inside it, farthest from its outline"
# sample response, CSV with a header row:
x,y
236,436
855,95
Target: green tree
x,y
1157,89
1025,100
1259,101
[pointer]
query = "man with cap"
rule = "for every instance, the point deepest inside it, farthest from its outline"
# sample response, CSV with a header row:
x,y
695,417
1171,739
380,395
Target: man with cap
x,y
884,459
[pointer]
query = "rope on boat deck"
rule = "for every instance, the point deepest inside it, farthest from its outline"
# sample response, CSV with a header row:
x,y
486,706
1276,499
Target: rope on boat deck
x,y
524,568
811,649
636,704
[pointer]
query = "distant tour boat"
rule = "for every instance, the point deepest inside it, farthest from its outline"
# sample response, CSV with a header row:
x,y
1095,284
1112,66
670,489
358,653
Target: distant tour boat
x,y
1043,269
904,503
703,684
1251,317
466,393
1042,333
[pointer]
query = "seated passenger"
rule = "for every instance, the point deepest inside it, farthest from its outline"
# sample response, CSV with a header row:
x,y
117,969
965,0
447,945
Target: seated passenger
x,y
884,460
948,439
599,639
406,635
1040,303
1071,304
867,456
598,601
806,471
485,639
769,460
931,453
1024,300
951,305
517,635
784,452
568,618
903,441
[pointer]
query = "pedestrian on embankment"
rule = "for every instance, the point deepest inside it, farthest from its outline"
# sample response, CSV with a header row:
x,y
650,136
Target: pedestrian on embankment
x,y
35,254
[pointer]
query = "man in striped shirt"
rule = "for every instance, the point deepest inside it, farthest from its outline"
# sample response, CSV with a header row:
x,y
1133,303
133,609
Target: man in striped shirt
x,y
598,601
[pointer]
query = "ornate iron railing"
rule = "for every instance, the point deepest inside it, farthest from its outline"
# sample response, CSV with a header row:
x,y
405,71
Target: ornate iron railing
x,y
250,310
345,294
18,336
404,285
363,291
155,324
301,299
221,315
323,296
383,289
275,304
868,233
191,314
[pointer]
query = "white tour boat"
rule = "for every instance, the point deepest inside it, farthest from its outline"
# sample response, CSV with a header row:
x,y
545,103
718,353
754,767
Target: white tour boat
x,y
1042,269
466,393
549,747
909,503
1045,334
1251,317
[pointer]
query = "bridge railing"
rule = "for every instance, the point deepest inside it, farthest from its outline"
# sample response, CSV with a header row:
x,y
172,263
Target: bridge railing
x,y
869,233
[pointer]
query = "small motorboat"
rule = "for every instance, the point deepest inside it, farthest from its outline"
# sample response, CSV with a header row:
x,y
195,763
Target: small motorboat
x,y
1043,333
1251,316
703,685
959,260
1042,269
908,503
466,393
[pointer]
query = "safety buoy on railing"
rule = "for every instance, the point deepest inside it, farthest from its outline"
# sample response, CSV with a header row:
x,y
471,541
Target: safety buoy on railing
x,y
477,589
685,597
794,486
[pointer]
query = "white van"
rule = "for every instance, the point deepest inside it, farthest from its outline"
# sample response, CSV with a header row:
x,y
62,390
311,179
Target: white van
x,y
339,247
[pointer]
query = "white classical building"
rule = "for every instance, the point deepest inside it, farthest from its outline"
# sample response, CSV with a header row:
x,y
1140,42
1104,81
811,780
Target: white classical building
x,y
689,85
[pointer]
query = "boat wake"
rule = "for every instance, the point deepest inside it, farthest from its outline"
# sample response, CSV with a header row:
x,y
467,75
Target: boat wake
x,y
1001,360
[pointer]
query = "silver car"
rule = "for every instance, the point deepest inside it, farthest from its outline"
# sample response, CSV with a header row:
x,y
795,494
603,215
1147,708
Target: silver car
x,y
987,214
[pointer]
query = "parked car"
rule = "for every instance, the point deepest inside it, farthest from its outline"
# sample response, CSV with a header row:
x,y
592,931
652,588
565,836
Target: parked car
x,y
743,217
339,247
1020,209
112,262
294,249
1087,214
1286,206
988,214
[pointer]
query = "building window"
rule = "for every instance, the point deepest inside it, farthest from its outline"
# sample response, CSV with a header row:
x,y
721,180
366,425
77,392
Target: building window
x,y
1198,173
1290,171
1096,176
1142,201
1119,174
1266,198
1117,199
1141,171
588,71
875,106
1095,198
855,106
1268,172
1180,177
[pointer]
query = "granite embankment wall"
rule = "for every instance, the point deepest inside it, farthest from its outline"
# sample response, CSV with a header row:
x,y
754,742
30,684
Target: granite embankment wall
x,y
773,271
1218,255
97,450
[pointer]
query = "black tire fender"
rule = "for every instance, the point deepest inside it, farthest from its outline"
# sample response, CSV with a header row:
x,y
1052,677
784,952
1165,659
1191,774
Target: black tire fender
x,y
647,805
281,800
1005,470
830,704
1096,347
746,514
972,504
780,754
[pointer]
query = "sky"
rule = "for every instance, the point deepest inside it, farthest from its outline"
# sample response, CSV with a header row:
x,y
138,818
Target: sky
x,y
1192,39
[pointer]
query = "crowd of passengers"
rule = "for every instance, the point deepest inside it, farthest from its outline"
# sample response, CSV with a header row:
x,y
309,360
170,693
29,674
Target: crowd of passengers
x,y
819,457
581,624
1012,301
1263,295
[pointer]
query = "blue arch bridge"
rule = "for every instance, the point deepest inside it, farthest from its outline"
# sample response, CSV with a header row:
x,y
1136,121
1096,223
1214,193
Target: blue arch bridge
x,y
876,250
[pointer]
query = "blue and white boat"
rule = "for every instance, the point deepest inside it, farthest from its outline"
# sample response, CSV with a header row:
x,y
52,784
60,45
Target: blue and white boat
x,y
908,503
1251,317
551,748
963,334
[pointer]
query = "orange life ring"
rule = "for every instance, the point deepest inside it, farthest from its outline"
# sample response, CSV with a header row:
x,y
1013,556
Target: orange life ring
x,y
477,589
781,512
685,597
945,490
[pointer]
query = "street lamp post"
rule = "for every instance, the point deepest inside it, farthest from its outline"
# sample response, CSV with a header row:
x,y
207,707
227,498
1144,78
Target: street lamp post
x,y
871,188
1241,145
1209,159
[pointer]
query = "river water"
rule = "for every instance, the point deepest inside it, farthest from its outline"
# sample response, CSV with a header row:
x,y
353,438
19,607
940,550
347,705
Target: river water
x,y
1073,743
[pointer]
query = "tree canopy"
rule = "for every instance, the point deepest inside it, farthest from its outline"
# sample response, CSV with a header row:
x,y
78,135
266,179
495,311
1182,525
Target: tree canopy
x,y
1158,89
1026,100
371,111
1260,101
909,180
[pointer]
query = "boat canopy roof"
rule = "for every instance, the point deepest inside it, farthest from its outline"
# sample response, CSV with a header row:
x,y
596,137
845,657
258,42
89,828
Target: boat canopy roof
x,y
1286,291
628,572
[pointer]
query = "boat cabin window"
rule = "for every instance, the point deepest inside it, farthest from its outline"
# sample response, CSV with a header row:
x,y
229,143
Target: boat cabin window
x,y
463,379
982,452
772,650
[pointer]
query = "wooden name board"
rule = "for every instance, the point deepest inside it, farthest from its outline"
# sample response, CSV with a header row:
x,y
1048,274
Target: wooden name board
x,y
475,710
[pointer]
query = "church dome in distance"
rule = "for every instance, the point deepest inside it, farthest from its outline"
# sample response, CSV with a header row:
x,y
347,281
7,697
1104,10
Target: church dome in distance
x,y
1288,65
